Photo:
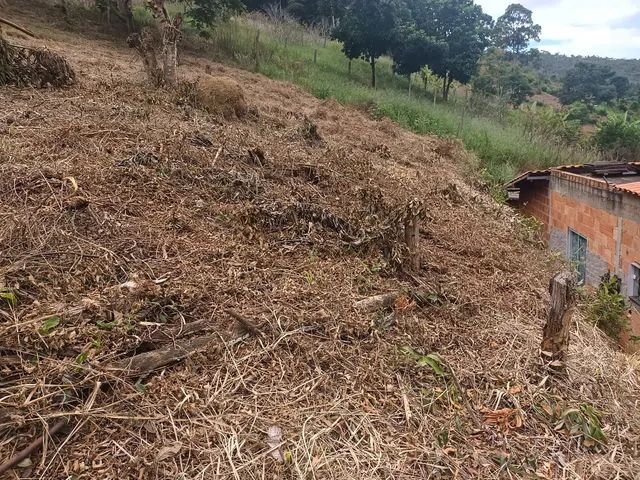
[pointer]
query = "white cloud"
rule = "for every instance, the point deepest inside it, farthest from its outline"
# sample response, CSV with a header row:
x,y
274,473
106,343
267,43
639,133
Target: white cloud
x,y
582,27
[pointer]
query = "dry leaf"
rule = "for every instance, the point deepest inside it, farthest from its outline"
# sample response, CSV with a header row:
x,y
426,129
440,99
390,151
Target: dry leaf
x,y
505,419
515,389
169,451
274,438
402,304
547,409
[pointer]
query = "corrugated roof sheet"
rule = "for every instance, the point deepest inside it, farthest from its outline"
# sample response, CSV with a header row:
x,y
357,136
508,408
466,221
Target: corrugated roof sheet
x,y
633,187
578,171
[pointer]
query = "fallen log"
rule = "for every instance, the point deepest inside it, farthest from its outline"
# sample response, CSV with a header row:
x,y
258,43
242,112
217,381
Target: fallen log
x,y
147,362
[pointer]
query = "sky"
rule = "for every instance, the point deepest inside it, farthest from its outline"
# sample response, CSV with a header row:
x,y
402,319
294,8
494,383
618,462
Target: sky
x,y
582,27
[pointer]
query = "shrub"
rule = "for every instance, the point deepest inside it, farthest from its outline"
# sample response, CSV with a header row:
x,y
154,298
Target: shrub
x,y
619,137
581,112
607,308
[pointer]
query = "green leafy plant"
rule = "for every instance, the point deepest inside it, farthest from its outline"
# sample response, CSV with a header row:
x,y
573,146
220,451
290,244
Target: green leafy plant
x,y
9,297
607,308
431,360
583,422
619,137
49,324
105,325
82,358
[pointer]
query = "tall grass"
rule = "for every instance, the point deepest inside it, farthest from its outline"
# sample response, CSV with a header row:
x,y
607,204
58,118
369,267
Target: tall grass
x,y
284,50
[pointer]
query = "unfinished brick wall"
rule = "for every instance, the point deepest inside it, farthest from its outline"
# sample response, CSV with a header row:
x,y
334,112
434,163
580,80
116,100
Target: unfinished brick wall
x,y
610,221
597,226
629,254
534,202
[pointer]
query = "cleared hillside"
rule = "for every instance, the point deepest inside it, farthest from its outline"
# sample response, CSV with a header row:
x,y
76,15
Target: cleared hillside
x,y
128,212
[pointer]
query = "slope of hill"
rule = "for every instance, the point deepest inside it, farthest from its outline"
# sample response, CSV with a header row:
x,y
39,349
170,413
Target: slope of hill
x,y
558,65
127,212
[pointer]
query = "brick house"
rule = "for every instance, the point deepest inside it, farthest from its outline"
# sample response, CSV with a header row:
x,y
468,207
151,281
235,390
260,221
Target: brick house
x,y
591,215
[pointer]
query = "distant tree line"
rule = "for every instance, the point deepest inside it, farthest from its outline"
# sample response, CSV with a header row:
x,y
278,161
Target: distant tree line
x,y
447,36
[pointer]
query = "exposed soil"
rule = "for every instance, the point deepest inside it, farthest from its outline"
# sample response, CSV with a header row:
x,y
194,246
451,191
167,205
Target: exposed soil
x,y
128,211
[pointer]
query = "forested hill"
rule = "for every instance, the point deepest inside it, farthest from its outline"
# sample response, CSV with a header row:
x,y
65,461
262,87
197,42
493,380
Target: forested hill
x,y
551,64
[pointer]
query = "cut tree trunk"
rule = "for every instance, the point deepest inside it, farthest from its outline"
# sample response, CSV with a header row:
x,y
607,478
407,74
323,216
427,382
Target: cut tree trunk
x,y
555,338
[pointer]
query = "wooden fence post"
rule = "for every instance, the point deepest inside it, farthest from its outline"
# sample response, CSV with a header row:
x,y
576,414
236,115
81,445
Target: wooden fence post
x,y
412,232
315,56
555,336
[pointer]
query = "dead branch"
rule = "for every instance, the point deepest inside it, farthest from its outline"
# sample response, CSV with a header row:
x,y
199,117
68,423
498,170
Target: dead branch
x,y
17,27
247,324
33,446
377,302
147,362
386,300
464,396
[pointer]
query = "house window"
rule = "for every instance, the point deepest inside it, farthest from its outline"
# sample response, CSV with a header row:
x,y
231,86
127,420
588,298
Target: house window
x,y
634,290
578,255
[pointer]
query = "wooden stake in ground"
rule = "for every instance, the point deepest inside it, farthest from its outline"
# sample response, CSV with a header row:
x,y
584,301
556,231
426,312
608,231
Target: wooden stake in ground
x,y
555,337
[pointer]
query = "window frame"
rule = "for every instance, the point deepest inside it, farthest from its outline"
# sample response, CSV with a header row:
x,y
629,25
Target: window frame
x,y
571,232
634,283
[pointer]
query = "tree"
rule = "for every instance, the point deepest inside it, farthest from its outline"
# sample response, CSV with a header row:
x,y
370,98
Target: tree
x,y
621,84
367,30
201,13
503,78
460,24
313,12
515,29
619,137
414,50
206,13
588,82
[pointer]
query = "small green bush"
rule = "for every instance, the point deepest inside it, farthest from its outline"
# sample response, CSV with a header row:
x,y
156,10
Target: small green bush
x,y
607,308
619,137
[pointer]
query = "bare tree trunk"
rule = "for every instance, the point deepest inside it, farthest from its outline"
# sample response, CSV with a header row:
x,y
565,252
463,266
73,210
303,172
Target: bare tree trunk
x,y
372,61
143,43
555,338
124,7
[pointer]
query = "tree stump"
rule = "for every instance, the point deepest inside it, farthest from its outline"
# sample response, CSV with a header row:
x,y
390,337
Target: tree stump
x,y
555,337
412,215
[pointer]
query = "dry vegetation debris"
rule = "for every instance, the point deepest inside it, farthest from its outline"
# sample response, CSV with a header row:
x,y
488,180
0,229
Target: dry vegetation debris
x,y
128,214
